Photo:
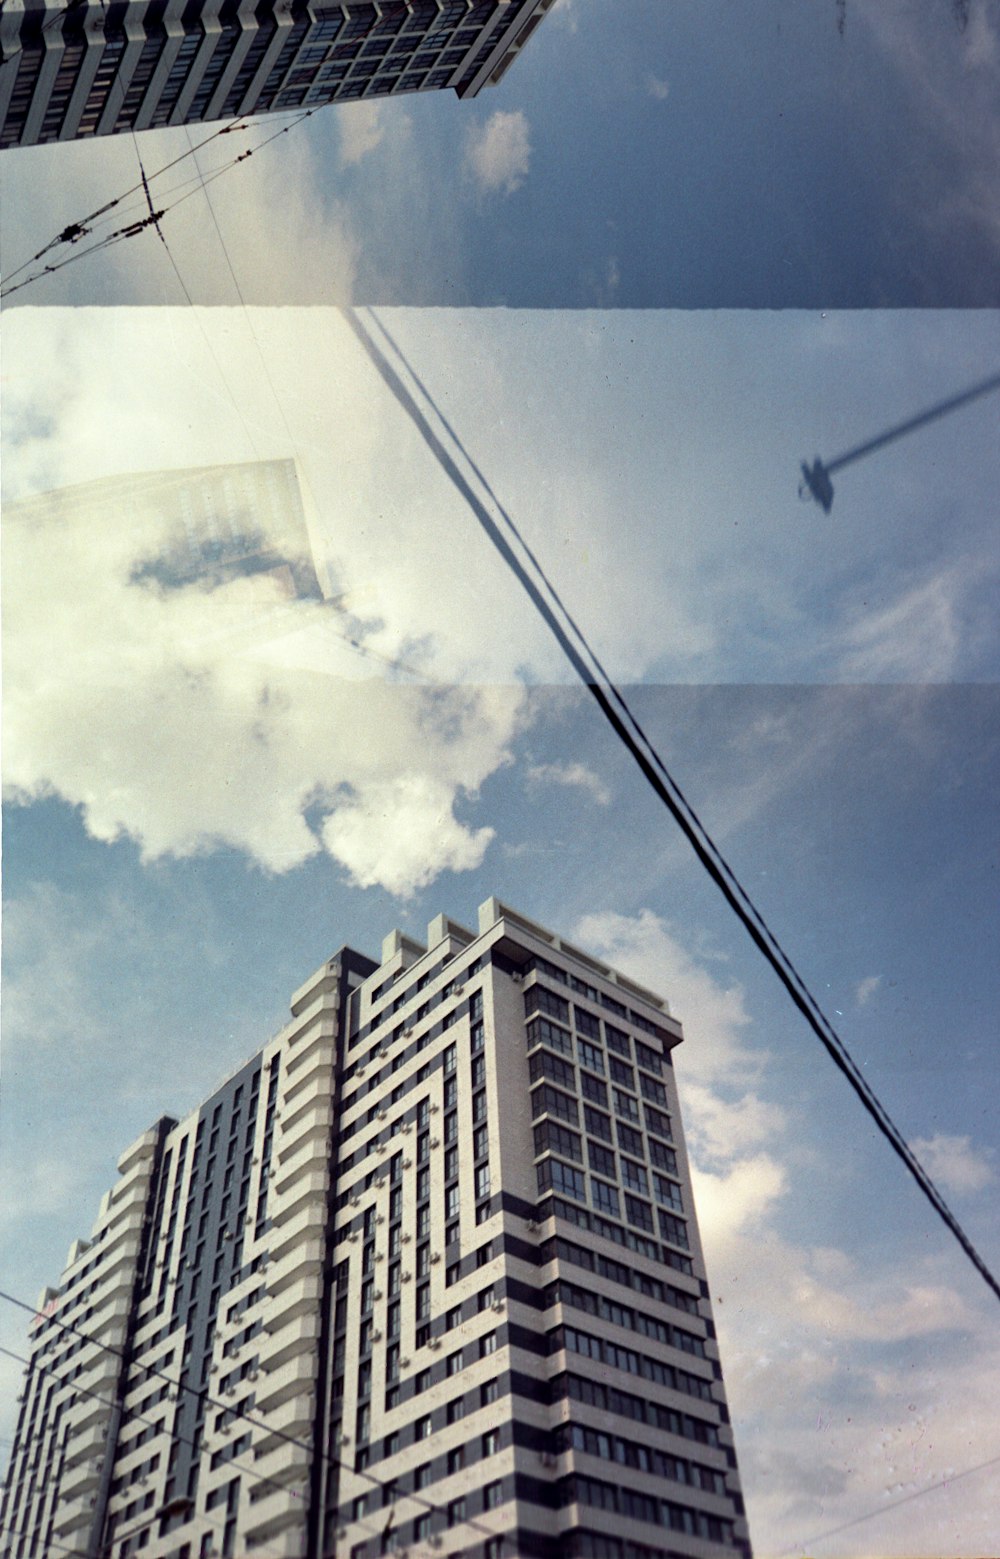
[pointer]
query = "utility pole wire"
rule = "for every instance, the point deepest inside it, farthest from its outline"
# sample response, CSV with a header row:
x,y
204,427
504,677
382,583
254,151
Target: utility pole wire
x,y
623,722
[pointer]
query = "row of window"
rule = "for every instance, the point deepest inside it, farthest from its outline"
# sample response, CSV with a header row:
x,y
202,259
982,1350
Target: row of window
x,y
579,1490
604,1351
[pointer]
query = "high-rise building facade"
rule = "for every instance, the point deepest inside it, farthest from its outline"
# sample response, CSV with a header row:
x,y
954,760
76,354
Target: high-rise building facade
x,y
77,68
423,1275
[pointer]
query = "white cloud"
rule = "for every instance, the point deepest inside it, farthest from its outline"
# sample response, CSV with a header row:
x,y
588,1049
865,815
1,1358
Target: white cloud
x,y
573,775
643,947
162,716
954,1163
657,88
498,153
401,833
362,129
866,989
916,637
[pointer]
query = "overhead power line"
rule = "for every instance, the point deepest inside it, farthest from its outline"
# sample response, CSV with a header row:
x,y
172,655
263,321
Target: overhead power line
x,y
616,710
390,1492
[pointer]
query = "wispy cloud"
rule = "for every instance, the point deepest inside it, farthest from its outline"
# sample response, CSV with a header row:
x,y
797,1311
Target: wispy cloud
x,y
866,989
498,153
576,775
955,1163
657,88
361,129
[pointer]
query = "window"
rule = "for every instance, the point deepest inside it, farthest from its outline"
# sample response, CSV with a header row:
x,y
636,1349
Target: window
x,y
592,1088
546,1100
451,1127
651,1089
481,1142
422,1382
629,1139
423,1147
662,1156
422,1527
423,1184
625,1105
423,1301
489,1392
675,1230
553,1175
542,1031
449,1060
617,1039
487,1345
668,1193
451,1163
545,1065
451,1201
423,1114
453,1319
450,1092
491,1442
392,1320
453,1364
549,1135
484,1298
479,1107
493,1494
605,1197
482,1182
422,1476
650,1059
484,1254
478,1071
423,1428
634,1176
456,1511
540,999
620,1073
453,1274
639,1213
456,1459
601,1159
657,1122
477,1038
451,1234
590,1056
455,1410
423,1221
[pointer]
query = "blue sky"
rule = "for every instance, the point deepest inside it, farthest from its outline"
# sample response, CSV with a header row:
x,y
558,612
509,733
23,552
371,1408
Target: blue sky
x,y
678,153
205,799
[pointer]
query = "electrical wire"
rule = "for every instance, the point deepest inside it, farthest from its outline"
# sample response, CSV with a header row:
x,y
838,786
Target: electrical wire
x,y
616,710
133,1416
894,1504
386,1485
75,231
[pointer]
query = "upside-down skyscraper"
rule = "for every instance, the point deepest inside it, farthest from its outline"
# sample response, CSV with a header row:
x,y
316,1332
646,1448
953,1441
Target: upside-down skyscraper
x,y
71,69
423,1275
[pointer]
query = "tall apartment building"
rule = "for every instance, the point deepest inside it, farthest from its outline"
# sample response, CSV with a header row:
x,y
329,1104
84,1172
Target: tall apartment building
x,y
422,1276
77,68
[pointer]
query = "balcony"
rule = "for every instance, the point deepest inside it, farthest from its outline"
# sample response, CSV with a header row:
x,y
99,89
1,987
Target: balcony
x,y
271,1515
81,1480
298,1337
303,1189
297,1378
73,1515
308,1221
298,1297
293,1266
312,1157
83,1443
314,1120
292,1417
